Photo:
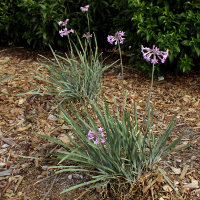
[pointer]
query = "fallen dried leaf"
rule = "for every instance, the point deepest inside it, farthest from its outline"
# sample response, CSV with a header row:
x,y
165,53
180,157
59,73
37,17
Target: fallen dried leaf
x,y
193,185
64,139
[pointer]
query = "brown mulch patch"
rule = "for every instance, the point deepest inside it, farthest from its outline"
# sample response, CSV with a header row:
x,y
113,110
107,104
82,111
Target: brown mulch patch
x,y
23,116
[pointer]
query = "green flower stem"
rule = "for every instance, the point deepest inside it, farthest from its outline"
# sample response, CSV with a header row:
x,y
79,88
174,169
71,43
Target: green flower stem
x,y
149,98
88,39
70,44
88,22
150,91
122,69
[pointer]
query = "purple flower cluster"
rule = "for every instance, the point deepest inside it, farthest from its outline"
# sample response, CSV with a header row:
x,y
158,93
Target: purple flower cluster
x,y
85,8
150,55
98,136
63,23
64,31
118,37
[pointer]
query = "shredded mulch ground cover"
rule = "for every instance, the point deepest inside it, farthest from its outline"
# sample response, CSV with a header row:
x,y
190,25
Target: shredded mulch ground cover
x,y
24,116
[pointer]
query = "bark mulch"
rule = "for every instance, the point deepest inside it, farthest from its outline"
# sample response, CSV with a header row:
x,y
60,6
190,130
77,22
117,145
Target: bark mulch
x,y
24,116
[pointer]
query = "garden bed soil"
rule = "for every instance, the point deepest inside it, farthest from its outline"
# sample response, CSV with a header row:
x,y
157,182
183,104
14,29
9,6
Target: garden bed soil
x,y
24,116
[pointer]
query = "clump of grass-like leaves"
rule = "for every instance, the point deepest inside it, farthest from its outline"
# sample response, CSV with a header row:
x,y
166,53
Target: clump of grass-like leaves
x,y
75,76
126,151
5,78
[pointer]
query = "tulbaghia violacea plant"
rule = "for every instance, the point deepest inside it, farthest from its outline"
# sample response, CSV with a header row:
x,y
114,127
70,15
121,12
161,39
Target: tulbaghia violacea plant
x,y
152,55
118,39
116,150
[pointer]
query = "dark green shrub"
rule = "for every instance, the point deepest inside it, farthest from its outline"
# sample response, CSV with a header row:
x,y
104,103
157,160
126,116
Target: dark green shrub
x,y
32,23
167,24
8,22
170,24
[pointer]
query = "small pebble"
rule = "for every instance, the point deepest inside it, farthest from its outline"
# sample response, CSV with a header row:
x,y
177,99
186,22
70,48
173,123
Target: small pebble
x,y
44,167
193,158
78,176
70,177
160,78
52,118
4,146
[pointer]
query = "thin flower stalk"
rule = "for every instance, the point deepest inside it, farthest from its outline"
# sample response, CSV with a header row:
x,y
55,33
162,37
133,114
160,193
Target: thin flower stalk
x,y
152,55
85,9
118,39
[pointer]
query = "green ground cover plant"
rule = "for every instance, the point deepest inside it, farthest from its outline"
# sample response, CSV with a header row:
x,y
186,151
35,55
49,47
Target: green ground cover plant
x,y
78,74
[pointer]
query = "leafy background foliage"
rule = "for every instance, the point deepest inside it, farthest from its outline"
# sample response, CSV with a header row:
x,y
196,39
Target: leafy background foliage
x,y
168,24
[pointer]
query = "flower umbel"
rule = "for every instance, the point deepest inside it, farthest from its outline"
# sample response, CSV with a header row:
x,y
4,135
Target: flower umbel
x,y
85,8
64,31
154,52
87,35
118,37
63,23
98,136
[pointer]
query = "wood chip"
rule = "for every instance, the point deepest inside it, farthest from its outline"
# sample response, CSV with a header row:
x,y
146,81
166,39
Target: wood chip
x,y
176,170
167,188
18,183
20,129
52,118
193,185
150,185
6,173
185,169
8,141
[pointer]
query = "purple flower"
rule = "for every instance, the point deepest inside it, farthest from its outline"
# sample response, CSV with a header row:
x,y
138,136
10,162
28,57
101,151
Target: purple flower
x,y
100,129
96,141
85,8
98,136
64,32
118,37
87,35
63,23
103,141
152,55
